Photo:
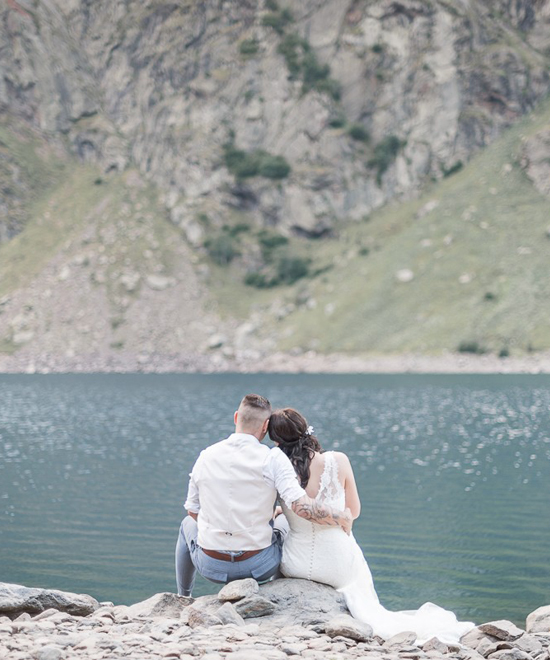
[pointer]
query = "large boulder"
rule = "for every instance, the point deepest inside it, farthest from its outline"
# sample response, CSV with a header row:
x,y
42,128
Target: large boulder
x,y
16,599
539,620
160,605
303,601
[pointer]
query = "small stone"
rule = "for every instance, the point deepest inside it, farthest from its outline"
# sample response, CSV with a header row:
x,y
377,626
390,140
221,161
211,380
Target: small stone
x,y
64,274
347,626
159,282
512,654
486,647
529,643
404,275
198,617
539,620
504,630
435,644
216,341
254,606
239,589
293,649
405,638
228,614
130,281
474,637
49,652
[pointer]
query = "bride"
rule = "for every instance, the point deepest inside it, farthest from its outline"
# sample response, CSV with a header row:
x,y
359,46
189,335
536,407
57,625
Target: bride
x,y
327,554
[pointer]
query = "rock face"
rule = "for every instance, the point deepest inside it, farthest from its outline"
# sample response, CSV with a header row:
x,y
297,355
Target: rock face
x,y
16,599
166,86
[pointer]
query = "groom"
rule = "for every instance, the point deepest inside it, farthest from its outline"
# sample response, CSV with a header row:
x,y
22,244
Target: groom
x,y
228,533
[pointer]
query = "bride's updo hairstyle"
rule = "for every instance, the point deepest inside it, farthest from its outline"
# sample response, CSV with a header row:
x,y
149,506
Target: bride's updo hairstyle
x,y
295,438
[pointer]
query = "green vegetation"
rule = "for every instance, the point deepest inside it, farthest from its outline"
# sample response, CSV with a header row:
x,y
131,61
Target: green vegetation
x,y
302,64
245,164
287,269
385,152
282,264
222,248
358,132
453,169
471,347
277,18
249,47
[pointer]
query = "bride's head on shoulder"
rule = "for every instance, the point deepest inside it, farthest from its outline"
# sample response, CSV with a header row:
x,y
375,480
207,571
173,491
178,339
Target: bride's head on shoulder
x,y
289,430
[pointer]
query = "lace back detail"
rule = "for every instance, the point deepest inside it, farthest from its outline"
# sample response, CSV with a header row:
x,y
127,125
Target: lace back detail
x,y
331,490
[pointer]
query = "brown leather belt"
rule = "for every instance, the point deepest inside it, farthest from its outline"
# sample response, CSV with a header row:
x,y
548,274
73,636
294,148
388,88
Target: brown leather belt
x,y
225,557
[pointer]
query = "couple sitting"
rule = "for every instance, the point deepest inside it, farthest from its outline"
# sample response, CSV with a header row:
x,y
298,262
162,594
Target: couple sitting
x,y
231,532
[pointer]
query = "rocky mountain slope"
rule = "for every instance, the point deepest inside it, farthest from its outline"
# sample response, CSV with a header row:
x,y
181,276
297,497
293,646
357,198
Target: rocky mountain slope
x,y
154,155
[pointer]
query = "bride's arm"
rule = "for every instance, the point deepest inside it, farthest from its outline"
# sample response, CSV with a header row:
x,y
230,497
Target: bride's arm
x,y
353,503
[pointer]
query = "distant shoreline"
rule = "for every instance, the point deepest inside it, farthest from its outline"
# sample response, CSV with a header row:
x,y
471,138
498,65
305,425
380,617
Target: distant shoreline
x,y
309,362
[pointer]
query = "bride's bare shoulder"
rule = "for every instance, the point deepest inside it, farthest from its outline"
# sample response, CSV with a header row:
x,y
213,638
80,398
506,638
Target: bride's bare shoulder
x,y
343,461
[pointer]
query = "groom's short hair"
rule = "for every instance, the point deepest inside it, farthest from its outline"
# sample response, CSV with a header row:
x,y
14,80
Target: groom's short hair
x,y
254,410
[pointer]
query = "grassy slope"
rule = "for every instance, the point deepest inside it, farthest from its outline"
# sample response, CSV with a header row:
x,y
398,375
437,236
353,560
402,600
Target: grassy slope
x,y
497,222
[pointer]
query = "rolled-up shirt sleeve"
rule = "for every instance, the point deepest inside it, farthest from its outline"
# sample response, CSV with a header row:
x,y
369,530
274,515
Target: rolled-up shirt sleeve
x,y
278,472
192,503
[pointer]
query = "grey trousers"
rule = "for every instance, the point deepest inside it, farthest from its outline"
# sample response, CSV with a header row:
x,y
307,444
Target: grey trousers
x,y
190,558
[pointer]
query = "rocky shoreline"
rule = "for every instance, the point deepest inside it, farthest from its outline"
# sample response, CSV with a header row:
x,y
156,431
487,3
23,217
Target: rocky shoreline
x,y
282,619
255,362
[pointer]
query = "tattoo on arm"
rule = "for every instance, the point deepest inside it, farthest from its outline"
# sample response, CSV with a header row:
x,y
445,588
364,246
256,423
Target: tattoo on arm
x,y
309,509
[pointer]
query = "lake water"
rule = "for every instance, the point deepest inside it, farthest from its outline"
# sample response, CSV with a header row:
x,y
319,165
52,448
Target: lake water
x,y
453,473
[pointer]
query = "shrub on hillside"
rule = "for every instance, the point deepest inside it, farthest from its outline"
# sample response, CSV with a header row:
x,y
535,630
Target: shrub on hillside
x,y
249,47
273,167
221,248
470,346
246,164
290,269
358,132
385,153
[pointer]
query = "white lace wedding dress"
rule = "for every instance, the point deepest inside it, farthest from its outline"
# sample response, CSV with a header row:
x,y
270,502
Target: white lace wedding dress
x,y
328,555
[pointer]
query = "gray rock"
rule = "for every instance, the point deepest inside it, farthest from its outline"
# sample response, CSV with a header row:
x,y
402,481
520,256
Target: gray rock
x,y
164,604
345,625
228,614
239,589
16,599
49,652
405,638
486,647
254,606
511,654
529,643
474,637
504,630
435,644
539,620
199,617
303,602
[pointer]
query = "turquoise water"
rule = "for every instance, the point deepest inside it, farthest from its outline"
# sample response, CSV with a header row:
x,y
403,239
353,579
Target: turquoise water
x,y
453,473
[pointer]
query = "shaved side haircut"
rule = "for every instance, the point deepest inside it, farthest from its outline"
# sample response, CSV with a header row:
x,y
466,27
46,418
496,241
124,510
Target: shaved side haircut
x,y
253,411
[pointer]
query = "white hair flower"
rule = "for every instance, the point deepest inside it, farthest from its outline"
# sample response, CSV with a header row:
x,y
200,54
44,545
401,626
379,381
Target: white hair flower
x,y
310,430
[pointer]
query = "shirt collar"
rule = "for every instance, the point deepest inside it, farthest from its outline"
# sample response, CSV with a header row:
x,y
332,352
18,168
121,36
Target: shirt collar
x,y
243,436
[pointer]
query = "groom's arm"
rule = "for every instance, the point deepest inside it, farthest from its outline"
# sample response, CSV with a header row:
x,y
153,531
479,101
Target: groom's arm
x,y
308,508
